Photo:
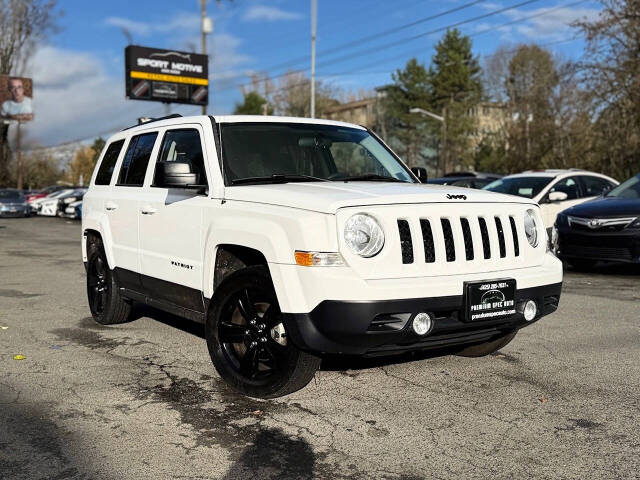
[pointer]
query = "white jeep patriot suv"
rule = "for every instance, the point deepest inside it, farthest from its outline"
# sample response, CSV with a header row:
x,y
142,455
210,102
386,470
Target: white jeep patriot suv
x,y
292,239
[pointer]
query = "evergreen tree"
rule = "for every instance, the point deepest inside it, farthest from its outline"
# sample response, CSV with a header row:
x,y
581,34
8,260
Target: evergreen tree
x,y
455,85
407,131
253,104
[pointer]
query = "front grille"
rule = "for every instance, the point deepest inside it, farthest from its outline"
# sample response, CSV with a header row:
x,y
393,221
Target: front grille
x,y
406,245
472,233
597,252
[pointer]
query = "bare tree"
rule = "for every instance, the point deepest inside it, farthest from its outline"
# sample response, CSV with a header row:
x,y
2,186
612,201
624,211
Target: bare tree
x,y
23,23
611,71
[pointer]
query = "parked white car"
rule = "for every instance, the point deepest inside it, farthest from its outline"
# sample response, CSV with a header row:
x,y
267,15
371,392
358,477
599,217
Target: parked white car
x,y
51,200
294,238
554,190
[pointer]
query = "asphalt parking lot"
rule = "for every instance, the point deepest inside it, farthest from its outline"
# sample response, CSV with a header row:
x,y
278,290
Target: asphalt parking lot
x,y
142,400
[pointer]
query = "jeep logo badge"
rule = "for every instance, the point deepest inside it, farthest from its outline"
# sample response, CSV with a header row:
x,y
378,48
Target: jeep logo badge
x,y
456,197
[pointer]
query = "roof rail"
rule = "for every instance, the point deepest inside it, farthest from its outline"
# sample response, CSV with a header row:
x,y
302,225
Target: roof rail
x,y
173,115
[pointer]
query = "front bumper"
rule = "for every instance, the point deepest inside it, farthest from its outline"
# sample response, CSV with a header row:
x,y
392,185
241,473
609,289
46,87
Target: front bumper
x,y
345,327
15,212
621,246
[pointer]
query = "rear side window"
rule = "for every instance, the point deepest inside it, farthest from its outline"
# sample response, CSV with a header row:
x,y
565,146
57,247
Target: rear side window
x,y
594,186
105,172
182,146
134,165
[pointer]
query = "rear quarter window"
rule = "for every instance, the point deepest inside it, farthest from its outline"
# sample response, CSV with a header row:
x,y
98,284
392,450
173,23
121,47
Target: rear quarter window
x,y
105,172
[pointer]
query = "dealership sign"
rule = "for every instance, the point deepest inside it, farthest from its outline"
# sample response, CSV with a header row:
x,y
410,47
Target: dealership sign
x,y
166,76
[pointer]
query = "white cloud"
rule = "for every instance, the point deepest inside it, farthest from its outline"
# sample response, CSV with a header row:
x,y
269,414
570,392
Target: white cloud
x,y
269,14
553,25
181,23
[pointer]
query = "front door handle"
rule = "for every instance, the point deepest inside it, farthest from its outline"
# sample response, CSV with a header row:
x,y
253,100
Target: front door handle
x,y
147,210
110,206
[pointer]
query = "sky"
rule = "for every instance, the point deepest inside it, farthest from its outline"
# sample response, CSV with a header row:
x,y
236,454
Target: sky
x,y
78,73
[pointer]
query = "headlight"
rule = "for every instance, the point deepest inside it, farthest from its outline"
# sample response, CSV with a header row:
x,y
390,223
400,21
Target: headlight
x,y
69,200
635,223
363,234
530,228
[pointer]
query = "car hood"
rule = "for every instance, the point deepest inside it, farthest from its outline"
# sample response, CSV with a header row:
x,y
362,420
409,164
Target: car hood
x,y
606,207
328,197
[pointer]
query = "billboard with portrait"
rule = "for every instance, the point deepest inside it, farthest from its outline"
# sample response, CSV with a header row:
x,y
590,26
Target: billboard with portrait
x,y
168,76
16,98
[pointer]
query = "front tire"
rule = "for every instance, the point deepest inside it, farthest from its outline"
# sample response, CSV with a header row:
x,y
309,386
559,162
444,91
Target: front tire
x,y
247,340
487,348
105,302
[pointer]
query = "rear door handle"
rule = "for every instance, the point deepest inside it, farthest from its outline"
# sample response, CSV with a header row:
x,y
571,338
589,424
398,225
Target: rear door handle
x,y
110,206
147,210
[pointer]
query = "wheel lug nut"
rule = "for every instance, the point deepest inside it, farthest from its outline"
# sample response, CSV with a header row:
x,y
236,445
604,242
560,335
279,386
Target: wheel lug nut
x,y
253,344
247,332
252,322
263,339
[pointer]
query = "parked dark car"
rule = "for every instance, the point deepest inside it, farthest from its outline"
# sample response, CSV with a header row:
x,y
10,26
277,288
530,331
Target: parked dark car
x,y
65,200
607,228
13,203
466,179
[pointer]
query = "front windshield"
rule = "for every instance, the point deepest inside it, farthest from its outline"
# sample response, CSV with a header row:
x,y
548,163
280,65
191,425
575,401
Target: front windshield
x,y
258,151
527,187
628,189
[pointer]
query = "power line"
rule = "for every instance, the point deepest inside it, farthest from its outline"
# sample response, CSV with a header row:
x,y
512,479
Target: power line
x,y
395,43
375,36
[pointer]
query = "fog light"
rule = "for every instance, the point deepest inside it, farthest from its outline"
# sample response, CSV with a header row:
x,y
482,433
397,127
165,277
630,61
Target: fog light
x,y
422,323
530,310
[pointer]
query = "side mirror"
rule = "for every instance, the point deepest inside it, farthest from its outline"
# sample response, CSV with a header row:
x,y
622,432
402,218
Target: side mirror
x,y
421,173
176,175
558,196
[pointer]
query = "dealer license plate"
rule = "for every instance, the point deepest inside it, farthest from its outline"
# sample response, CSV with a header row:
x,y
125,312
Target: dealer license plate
x,y
490,299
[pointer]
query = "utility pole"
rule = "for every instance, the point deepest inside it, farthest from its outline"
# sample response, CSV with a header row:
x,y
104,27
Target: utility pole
x,y
314,14
206,27
442,160
19,157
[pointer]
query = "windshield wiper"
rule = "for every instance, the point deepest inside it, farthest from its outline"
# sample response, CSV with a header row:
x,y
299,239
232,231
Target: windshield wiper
x,y
278,178
369,177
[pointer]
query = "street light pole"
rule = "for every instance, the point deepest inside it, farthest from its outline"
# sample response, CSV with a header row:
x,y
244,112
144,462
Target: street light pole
x,y
314,14
441,118
206,27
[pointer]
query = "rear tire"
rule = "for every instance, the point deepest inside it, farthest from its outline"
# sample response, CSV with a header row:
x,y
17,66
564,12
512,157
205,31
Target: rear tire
x,y
243,323
107,306
487,348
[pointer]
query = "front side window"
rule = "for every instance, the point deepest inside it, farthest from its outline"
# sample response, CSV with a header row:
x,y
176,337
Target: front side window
x,y
182,146
569,186
260,152
103,177
527,187
134,165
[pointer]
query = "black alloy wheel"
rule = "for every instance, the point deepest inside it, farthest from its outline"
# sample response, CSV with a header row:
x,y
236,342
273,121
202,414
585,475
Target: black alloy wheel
x,y
97,286
105,302
247,339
